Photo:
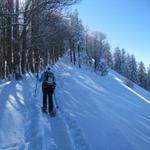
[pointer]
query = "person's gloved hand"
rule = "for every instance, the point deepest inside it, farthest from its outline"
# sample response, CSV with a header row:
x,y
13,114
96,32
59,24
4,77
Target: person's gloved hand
x,y
54,85
37,76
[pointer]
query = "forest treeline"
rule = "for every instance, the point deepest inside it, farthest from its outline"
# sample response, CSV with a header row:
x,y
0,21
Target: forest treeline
x,y
34,33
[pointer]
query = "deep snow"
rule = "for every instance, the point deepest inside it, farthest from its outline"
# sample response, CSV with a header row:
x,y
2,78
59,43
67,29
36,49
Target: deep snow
x,y
95,112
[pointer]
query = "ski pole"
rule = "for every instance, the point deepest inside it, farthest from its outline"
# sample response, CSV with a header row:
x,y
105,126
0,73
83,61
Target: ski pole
x,y
56,101
35,94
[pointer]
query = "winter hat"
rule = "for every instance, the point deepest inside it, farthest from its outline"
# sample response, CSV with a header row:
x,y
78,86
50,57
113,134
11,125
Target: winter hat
x,y
48,68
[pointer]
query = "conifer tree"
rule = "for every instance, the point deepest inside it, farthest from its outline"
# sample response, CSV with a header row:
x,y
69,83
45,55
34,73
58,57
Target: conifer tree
x,y
148,79
132,69
142,75
117,60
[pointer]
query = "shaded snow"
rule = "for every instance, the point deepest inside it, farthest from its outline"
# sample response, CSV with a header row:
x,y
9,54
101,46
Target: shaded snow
x,y
22,124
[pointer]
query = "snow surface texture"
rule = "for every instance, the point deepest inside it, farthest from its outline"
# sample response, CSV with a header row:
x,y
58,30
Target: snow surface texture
x,y
95,113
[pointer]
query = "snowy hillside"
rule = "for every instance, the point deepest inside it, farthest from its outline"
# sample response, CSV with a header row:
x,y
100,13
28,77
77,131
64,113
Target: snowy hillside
x,y
95,113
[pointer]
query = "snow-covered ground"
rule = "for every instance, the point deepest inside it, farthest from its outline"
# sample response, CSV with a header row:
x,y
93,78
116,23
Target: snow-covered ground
x,y
22,124
95,113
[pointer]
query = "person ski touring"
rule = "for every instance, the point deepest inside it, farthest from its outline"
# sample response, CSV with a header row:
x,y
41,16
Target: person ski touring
x,y
48,86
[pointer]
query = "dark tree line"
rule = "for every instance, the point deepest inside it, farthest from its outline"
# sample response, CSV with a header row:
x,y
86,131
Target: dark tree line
x,y
32,35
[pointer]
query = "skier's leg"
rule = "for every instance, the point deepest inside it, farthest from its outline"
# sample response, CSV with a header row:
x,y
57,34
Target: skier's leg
x,y
44,100
50,101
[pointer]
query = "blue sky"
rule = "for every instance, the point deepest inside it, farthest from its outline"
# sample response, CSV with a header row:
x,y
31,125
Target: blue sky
x,y
125,22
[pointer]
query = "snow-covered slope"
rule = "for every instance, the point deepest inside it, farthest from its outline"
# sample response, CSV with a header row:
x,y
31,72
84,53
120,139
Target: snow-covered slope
x,y
110,115
97,113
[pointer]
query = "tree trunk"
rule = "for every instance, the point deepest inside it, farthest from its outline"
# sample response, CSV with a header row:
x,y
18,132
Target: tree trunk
x,y
8,38
24,45
74,54
16,55
79,59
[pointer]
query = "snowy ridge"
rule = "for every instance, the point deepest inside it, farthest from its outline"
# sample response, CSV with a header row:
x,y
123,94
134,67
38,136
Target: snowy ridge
x,y
109,114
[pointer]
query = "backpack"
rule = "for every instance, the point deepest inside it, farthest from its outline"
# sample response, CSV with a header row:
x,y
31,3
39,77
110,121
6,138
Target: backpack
x,y
49,79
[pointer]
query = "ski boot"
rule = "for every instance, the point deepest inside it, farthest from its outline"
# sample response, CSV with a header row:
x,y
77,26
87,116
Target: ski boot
x,y
44,109
52,114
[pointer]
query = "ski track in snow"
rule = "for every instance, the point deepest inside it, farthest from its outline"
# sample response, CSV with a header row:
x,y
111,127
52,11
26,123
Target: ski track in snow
x,y
76,135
